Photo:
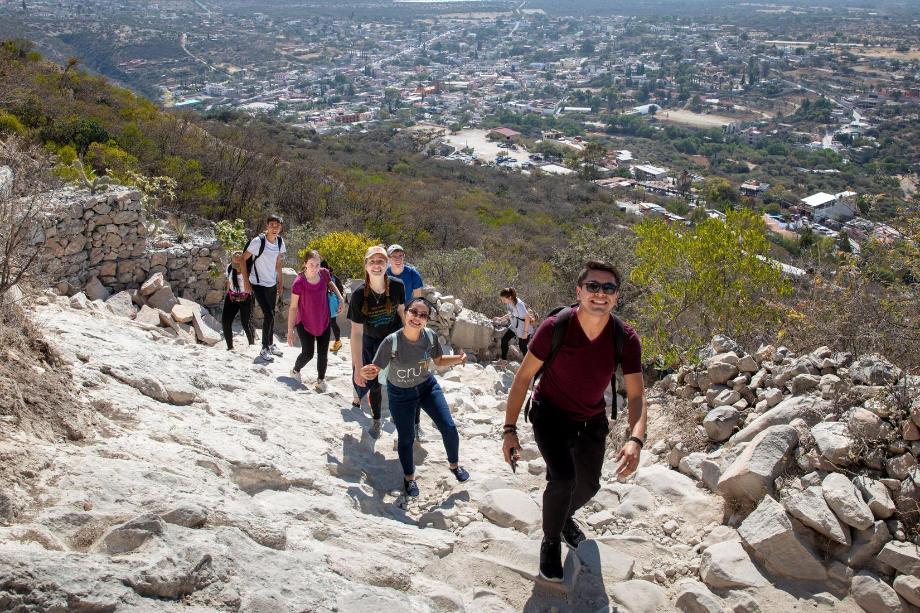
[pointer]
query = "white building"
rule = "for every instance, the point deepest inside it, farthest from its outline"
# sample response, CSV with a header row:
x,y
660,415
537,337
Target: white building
x,y
216,89
830,206
647,171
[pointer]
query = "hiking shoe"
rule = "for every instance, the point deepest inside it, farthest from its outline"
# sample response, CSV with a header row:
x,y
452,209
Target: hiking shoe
x,y
461,475
411,488
572,534
336,346
275,350
266,354
320,386
374,430
551,560
419,435
295,375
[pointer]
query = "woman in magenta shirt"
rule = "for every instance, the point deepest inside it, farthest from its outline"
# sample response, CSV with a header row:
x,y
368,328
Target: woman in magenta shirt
x,y
309,314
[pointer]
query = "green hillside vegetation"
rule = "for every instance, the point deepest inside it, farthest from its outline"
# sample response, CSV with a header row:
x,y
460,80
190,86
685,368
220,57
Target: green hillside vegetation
x,y
471,230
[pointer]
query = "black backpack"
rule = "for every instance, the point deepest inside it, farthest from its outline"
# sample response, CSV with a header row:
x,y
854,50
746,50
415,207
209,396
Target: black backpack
x,y
564,316
252,260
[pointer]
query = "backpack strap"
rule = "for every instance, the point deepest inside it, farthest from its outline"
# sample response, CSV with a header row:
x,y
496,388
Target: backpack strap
x,y
253,259
561,326
619,339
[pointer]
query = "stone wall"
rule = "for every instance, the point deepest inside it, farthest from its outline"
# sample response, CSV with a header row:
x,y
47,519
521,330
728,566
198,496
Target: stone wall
x,y
105,236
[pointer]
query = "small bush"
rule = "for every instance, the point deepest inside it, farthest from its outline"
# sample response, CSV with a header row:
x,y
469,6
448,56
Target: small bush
x,y
344,251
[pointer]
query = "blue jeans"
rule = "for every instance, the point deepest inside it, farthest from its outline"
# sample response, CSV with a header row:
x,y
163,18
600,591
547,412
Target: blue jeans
x,y
368,351
403,401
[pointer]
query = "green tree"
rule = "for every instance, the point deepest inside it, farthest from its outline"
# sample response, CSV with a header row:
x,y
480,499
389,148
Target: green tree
x,y
344,251
713,278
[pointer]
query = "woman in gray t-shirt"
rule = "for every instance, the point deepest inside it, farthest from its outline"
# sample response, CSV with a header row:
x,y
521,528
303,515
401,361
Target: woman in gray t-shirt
x,y
407,355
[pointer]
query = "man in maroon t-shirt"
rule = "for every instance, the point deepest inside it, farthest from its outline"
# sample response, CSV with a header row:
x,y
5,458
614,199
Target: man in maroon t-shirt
x,y
568,411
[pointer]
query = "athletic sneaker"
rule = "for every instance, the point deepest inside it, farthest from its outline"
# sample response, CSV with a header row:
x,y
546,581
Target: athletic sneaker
x,y
374,430
266,354
320,386
411,488
572,534
336,346
419,435
461,474
275,350
551,560
295,375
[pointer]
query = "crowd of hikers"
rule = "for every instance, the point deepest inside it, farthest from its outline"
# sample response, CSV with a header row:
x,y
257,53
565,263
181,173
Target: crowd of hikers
x,y
568,362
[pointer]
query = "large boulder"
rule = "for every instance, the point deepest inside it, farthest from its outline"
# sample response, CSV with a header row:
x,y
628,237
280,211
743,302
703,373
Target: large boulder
x,y
769,533
902,556
846,502
131,535
152,285
148,316
637,596
807,408
602,560
679,489
751,475
510,508
121,305
876,496
94,289
874,595
694,597
810,508
834,441
472,331
204,331
867,544
182,313
719,423
728,566
163,299
908,588
865,424
874,370
721,373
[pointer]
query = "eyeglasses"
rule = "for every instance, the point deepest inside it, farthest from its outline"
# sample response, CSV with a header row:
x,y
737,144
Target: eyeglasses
x,y
595,287
417,313
397,255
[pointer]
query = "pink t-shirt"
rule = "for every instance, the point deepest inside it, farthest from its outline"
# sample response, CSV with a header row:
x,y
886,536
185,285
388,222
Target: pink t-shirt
x,y
312,306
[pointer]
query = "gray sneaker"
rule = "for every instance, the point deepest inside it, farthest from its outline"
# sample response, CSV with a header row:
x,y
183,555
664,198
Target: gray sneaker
x,y
266,354
275,350
419,435
374,430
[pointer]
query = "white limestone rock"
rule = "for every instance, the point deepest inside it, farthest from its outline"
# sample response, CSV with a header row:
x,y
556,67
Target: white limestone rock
x,y
752,473
874,595
509,508
834,441
876,496
810,508
727,565
846,501
769,533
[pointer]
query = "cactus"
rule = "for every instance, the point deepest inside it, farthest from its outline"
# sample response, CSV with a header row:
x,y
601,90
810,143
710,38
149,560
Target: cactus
x,y
94,184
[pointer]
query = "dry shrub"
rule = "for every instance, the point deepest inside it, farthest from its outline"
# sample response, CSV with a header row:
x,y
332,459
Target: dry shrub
x,y
20,227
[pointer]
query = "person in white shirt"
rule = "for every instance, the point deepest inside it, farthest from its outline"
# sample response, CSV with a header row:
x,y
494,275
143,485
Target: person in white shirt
x,y
519,324
262,277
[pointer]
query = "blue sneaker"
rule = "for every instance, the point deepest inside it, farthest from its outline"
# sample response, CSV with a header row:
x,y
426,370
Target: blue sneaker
x,y
460,473
411,488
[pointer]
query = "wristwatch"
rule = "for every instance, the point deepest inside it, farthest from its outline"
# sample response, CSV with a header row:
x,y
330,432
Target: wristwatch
x,y
637,440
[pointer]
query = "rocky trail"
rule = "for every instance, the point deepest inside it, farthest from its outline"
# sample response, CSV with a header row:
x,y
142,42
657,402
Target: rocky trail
x,y
207,480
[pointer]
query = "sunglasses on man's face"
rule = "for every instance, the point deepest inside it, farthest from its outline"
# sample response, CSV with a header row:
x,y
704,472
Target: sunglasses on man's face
x,y
594,287
417,313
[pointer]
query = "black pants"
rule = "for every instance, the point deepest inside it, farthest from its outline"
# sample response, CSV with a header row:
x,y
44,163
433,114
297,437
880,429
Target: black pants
x,y
369,348
574,454
334,325
267,297
506,339
231,308
306,350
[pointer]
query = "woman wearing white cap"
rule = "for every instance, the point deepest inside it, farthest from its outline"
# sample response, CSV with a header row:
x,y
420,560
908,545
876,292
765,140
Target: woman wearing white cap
x,y
376,310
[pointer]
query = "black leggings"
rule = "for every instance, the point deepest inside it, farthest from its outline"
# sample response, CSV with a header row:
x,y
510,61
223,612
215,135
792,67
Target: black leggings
x,y
506,339
574,454
267,297
306,350
231,308
334,325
